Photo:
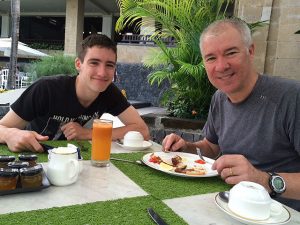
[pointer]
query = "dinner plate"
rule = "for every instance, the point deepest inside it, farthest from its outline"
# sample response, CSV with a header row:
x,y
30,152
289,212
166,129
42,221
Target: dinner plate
x,y
146,144
188,159
283,218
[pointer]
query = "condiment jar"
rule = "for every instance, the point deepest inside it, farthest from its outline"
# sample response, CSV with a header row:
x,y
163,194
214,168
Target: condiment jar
x,y
5,159
31,177
18,164
8,179
31,159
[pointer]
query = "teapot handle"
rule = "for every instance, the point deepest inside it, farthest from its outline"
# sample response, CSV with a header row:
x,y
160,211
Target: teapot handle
x,y
74,171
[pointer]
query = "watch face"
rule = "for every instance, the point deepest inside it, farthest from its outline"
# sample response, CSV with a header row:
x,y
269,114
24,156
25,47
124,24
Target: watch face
x,y
278,183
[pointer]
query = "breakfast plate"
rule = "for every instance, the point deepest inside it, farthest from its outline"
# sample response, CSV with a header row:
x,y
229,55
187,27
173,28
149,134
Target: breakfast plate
x,y
146,144
188,159
283,218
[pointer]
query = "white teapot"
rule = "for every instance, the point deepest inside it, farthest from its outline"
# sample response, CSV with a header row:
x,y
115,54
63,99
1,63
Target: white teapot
x,y
63,166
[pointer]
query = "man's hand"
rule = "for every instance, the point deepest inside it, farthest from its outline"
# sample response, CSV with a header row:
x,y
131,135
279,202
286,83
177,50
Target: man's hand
x,y
23,140
173,142
236,168
74,131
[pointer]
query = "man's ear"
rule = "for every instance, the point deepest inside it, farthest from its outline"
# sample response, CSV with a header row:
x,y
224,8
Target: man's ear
x,y
251,50
77,64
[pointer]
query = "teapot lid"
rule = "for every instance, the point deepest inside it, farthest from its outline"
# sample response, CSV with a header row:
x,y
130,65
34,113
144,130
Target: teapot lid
x,y
64,150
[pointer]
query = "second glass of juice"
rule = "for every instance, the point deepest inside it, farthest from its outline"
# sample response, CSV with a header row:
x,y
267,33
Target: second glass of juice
x,y
101,142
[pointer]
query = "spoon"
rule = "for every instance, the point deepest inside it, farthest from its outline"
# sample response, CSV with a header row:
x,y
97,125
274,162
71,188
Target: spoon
x,y
224,195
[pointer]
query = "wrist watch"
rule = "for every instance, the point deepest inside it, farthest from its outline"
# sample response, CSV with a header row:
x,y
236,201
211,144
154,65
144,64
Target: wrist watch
x,y
277,184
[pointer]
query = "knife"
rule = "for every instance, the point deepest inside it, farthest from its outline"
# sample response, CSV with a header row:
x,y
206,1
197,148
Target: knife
x,y
155,217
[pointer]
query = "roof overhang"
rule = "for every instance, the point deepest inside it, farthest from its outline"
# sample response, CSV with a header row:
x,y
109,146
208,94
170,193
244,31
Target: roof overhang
x,y
58,7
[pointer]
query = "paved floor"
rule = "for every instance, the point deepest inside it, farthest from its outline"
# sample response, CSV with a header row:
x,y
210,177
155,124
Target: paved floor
x,y
10,96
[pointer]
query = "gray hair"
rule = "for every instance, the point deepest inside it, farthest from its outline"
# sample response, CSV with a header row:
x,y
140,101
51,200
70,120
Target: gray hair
x,y
219,25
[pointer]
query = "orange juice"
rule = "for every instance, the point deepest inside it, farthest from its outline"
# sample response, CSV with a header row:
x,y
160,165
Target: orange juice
x,y
101,142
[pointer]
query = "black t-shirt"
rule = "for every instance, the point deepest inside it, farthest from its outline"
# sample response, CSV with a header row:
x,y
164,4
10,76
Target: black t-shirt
x,y
51,102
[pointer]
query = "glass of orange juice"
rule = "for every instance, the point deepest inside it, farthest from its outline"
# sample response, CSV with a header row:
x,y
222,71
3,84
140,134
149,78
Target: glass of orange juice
x,y
101,142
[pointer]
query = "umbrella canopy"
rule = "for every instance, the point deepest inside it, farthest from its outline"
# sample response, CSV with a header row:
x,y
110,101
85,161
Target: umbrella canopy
x,y
23,50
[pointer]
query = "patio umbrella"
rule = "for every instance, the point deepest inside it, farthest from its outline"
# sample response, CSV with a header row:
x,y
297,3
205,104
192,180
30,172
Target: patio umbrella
x,y
23,50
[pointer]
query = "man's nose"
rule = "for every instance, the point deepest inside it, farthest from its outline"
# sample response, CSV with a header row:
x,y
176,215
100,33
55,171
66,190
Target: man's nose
x,y
101,70
222,64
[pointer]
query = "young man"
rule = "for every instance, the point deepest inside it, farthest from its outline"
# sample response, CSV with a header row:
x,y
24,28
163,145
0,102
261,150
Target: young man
x,y
59,107
254,120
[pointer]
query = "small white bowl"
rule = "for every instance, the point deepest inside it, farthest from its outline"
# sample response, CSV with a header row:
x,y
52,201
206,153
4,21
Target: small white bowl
x,y
133,139
252,201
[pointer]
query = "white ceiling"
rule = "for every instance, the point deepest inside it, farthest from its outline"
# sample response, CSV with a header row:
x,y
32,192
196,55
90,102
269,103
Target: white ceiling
x,y
58,7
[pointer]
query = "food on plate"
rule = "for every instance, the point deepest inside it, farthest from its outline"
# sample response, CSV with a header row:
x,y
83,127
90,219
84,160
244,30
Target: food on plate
x,y
177,162
155,159
165,166
200,161
179,165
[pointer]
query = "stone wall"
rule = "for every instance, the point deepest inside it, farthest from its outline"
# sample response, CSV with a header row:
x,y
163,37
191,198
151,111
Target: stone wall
x,y
132,77
277,45
162,125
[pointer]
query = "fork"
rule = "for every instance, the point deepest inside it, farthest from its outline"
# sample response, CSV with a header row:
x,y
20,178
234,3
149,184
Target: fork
x,y
200,154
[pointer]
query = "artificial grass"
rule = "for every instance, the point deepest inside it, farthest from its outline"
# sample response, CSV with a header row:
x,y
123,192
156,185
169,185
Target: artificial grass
x,y
125,211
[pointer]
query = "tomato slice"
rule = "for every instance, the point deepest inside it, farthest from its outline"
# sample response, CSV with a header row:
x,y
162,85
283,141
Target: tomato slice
x,y
200,161
155,159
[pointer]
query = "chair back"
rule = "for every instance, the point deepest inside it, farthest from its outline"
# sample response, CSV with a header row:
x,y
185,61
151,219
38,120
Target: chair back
x,y
4,76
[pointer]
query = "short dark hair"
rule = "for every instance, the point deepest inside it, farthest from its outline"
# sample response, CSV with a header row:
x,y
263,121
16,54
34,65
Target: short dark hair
x,y
99,40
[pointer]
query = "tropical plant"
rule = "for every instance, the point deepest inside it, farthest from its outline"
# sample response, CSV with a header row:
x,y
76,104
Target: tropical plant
x,y
190,91
52,65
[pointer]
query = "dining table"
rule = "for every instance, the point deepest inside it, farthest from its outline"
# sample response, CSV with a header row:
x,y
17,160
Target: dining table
x,y
122,193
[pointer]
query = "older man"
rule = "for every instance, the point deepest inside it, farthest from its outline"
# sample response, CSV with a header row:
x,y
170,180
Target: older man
x,y
254,119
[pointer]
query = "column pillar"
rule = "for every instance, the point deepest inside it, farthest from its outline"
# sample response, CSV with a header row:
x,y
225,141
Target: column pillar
x,y
74,26
5,26
107,25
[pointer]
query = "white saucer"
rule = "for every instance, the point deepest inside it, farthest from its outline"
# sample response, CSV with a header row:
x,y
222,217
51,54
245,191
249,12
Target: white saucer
x,y
283,218
146,144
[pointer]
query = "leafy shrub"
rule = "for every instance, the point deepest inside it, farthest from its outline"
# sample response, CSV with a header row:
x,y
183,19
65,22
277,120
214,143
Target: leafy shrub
x,y
48,46
52,65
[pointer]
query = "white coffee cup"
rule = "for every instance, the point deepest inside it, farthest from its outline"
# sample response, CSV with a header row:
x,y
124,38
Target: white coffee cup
x,y
252,201
133,139
63,166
